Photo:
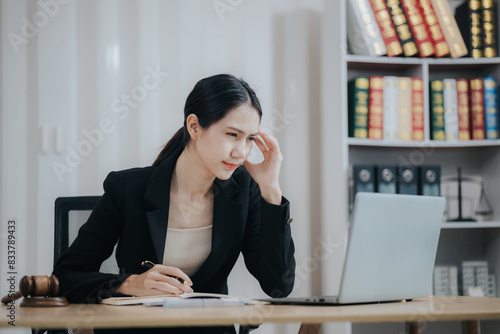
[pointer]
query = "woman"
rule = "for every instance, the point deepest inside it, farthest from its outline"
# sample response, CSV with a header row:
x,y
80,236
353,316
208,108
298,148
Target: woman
x,y
193,211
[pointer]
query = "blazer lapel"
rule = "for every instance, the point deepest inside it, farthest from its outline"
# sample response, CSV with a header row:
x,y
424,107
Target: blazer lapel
x,y
226,218
225,229
158,195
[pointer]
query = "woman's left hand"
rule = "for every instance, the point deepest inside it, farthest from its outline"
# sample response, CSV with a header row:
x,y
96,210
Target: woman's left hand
x,y
267,172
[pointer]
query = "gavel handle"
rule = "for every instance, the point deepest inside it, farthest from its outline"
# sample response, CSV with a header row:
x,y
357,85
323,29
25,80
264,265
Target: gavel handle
x,y
9,298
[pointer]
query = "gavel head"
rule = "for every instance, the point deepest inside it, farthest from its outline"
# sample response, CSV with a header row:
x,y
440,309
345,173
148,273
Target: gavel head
x,y
39,286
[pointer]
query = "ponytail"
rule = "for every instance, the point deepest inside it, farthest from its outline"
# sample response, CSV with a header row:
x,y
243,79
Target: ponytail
x,y
179,140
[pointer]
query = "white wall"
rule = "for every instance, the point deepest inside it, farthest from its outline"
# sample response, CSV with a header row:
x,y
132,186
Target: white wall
x,y
70,72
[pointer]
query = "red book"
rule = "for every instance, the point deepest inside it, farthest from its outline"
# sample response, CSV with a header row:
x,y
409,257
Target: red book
x,y
463,109
436,34
417,102
384,22
375,119
418,28
477,108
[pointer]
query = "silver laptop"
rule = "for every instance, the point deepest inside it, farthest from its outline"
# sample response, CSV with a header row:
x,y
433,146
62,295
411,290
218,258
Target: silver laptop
x,y
391,251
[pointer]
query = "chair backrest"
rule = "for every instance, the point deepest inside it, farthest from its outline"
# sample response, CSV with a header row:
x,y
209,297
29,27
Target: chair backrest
x,y
70,214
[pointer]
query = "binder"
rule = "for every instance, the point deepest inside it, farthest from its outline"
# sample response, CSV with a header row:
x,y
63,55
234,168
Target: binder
x,y
364,178
430,180
407,180
386,179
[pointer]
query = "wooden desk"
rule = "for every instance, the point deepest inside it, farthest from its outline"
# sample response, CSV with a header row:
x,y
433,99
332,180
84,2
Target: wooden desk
x,y
469,310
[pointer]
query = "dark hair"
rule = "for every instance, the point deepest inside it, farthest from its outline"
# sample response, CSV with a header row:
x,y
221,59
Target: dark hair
x,y
210,100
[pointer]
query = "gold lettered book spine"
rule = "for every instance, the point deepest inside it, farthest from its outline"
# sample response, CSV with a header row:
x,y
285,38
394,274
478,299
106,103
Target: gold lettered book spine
x,y
402,28
437,110
477,109
463,109
418,28
489,28
405,129
376,118
435,31
387,29
450,28
363,33
358,91
469,17
417,102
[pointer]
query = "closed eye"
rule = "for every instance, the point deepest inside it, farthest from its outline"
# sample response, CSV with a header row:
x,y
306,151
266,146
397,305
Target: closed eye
x,y
251,138
232,134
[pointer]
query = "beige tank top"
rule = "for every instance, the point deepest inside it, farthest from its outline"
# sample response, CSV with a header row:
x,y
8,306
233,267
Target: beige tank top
x,y
187,248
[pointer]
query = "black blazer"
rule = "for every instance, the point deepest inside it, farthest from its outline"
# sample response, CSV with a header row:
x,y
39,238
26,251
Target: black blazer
x,y
134,212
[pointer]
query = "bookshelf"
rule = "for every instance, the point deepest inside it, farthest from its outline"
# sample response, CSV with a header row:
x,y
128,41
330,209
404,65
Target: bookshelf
x,y
477,158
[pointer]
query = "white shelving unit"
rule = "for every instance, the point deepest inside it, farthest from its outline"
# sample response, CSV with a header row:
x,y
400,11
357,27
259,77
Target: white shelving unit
x,y
480,158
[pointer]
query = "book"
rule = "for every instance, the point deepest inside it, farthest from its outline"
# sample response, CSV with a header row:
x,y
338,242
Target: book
x,y
407,180
478,128
358,104
491,107
437,110
363,33
417,105
430,180
376,108
405,128
119,301
386,179
492,286
441,48
489,9
450,28
463,109
469,19
199,302
403,30
390,102
450,103
474,274
418,28
387,30
446,280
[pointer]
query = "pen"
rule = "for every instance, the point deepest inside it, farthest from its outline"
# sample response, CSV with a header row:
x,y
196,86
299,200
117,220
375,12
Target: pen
x,y
149,265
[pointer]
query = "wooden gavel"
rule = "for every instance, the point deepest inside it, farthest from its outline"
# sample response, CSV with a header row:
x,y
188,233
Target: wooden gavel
x,y
34,287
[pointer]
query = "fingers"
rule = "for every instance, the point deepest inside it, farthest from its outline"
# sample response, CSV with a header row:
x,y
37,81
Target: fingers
x,y
164,279
270,144
173,271
261,145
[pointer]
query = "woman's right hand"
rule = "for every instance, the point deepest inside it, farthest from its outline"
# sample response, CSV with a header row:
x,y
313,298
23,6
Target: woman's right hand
x,y
156,281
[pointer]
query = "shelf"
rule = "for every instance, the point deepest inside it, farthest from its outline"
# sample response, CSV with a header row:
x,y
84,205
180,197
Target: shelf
x,y
470,225
424,143
383,60
418,61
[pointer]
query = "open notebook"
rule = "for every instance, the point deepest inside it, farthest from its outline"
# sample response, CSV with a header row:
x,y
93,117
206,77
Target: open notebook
x,y
118,301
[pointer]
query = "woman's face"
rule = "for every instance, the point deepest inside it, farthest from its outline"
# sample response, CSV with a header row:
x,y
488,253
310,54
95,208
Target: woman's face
x,y
225,145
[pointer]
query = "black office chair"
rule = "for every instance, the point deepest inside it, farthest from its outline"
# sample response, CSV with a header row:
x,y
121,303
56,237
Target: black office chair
x,y
70,214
